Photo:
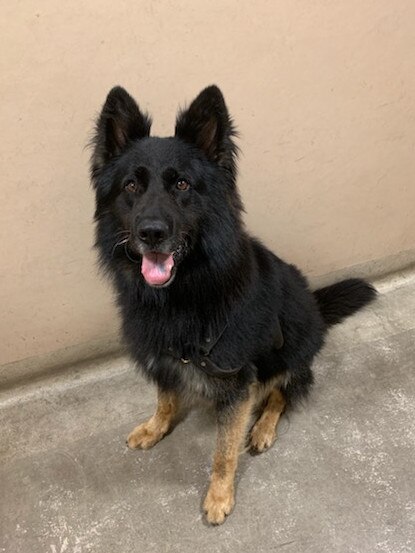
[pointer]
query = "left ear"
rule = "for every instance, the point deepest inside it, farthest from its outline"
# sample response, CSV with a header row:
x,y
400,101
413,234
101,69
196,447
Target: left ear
x,y
121,121
207,125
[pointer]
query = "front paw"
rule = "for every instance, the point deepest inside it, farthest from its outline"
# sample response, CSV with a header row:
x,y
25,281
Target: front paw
x,y
218,504
144,436
262,437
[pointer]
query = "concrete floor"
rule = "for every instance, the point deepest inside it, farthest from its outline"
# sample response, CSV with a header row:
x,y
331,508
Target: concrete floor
x,y
341,477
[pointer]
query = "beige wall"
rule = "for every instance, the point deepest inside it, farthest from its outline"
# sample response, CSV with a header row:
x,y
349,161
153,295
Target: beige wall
x,y
323,94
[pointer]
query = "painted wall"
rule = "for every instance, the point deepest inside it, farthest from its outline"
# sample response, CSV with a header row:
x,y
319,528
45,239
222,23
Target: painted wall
x,y
322,92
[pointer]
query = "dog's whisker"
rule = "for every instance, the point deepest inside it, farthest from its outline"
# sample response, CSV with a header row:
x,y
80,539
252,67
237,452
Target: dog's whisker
x,y
120,243
128,254
121,232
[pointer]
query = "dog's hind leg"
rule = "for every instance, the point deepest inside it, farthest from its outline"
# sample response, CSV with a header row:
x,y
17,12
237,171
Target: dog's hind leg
x,y
263,433
148,433
232,427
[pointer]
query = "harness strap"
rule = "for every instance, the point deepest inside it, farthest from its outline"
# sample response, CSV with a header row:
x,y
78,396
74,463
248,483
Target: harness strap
x,y
204,363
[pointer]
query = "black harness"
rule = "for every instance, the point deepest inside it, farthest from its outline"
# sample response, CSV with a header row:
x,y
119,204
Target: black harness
x,y
205,364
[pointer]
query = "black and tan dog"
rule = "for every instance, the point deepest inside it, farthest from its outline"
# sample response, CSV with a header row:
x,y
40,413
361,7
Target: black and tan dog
x,y
207,311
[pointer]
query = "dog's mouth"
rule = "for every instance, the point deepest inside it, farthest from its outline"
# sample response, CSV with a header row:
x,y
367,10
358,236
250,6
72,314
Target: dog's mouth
x,y
158,269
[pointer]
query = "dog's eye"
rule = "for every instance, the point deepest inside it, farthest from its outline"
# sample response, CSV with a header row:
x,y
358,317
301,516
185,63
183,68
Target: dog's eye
x,y
130,186
182,185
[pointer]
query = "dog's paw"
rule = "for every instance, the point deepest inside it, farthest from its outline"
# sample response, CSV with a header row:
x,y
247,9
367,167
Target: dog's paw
x,y
262,437
144,436
218,504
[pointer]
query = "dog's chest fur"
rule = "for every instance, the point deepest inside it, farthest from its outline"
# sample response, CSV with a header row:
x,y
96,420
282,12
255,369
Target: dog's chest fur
x,y
186,377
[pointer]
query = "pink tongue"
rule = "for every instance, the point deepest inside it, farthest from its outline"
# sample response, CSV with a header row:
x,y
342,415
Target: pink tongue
x,y
156,268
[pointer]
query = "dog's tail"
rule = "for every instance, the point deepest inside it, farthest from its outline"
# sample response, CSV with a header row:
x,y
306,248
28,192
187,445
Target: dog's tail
x,y
338,301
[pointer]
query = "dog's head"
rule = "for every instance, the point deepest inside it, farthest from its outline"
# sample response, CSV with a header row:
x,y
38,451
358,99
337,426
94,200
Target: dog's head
x,y
161,194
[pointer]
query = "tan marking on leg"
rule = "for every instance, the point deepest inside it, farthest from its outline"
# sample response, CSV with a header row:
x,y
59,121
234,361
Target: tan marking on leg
x,y
219,500
148,433
263,433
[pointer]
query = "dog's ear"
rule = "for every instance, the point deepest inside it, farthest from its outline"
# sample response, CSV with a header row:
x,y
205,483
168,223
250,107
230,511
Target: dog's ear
x,y
207,125
120,122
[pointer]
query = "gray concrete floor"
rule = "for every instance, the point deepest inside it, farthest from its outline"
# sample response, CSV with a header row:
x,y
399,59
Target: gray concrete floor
x,y
340,478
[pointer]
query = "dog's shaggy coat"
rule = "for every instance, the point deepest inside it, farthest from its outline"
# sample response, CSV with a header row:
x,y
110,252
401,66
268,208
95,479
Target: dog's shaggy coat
x,y
207,311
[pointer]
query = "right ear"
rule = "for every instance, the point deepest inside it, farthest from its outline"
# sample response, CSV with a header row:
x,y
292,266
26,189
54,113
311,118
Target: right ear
x,y
120,122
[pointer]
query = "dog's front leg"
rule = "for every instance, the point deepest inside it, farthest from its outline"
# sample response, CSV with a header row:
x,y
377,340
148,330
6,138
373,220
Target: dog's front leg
x,y
148,433
232,427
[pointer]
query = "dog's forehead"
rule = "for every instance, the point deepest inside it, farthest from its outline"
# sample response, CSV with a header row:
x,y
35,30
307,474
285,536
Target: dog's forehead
x,y
156,153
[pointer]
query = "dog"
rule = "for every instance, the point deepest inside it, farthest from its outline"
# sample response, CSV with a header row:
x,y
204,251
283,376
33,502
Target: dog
x,y
208,313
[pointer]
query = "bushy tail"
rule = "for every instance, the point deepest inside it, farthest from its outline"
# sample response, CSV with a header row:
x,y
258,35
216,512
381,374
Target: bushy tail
x,y
338,301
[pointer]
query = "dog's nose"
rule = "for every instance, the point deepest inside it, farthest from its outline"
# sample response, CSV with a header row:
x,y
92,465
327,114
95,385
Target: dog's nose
x,y
152,231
